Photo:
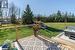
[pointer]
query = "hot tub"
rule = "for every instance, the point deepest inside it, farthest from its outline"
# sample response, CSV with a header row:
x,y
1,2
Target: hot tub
x,y
70,32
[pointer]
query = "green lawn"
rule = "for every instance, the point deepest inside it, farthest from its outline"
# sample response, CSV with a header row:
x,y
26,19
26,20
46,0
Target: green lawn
x,y
48,33
26,31
59,25
55,28
11,33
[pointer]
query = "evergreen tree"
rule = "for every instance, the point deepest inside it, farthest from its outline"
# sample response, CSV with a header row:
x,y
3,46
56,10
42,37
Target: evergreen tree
x,y
27,17
59,16
59,13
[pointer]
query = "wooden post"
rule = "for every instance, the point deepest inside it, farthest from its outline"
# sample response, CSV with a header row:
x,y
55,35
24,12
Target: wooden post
x,y
16,33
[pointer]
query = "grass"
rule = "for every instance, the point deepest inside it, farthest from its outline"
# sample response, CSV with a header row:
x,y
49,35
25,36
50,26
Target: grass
x,y
48,33
59,25
53,30
11,33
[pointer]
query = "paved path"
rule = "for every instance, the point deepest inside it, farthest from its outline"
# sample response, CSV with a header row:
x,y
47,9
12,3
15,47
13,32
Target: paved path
x,y
34,43
8,27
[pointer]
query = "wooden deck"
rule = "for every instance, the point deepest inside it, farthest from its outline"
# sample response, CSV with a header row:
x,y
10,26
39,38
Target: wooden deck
x,y
65,42
37,43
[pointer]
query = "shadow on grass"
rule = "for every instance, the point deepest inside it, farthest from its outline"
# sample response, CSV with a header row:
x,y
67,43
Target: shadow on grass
x,y
53,29
47,28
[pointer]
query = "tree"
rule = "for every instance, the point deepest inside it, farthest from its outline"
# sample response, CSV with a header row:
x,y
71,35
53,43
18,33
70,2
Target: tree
x,y
1,13
1,16
12,13
0,9
66,16
27,17
73,15
59,15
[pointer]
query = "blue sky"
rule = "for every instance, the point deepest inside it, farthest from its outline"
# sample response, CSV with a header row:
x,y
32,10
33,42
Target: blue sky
x,y
46,7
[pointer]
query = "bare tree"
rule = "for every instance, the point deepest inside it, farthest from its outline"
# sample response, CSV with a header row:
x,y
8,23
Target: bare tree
x,y
13,13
